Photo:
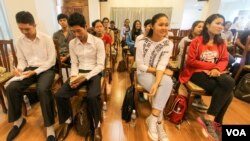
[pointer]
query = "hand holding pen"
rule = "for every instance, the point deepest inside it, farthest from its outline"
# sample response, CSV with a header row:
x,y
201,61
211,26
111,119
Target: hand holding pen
x,y
16,71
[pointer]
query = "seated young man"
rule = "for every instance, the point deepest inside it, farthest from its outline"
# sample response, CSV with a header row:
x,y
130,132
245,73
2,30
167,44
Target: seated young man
x,y
63,36
87,55
36,59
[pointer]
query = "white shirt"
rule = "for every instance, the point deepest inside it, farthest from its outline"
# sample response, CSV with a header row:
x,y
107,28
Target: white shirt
x,y
87,56
138,38
37,53
153,54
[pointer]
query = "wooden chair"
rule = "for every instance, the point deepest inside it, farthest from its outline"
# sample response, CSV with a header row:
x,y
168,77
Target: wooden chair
x,y
137,86
175,40
184,33
190,86
7,60
243,60
175,31
58,80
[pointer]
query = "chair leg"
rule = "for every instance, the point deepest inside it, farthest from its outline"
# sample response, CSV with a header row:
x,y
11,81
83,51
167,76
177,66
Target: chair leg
x,y
136,97
25,112
2,103
67,72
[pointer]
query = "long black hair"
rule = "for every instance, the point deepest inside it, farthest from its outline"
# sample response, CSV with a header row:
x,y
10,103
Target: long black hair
x,y
154,20
135,32
217,38
190,35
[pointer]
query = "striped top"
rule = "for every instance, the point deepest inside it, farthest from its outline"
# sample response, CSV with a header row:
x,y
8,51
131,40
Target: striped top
x,y
153,54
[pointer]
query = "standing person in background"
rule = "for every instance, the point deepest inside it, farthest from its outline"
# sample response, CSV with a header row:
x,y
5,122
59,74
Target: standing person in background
x,y
125,30
105,22
196,30
131,37
87,55
152,56
207,60
36,57
63,36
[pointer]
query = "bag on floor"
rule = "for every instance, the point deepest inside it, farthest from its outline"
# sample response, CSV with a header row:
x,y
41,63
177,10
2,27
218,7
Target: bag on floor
x,y
82,120
122,66
242,90
128,103
178,109
169,104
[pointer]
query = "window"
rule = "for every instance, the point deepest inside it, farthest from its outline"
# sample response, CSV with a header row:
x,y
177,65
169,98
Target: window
x,y
4,26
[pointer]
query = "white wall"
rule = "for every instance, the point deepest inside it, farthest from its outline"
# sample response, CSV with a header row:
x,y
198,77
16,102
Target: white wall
x,y
192,12
177,5
94,10
230,9
43,12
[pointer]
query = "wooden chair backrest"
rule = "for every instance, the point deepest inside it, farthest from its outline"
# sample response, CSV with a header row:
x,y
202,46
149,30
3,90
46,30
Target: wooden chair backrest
x,y
8,57
184,33
183,56
58,65
175,40
175,31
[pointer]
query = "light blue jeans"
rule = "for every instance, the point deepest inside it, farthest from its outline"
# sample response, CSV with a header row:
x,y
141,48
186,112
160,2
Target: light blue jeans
x,y
146,80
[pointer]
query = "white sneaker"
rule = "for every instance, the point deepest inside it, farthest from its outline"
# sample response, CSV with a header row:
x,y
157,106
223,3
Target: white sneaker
x,y
152,130
162,133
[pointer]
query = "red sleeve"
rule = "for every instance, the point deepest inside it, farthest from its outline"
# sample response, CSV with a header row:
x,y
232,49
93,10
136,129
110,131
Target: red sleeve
x,y
223,59
108,39
193,56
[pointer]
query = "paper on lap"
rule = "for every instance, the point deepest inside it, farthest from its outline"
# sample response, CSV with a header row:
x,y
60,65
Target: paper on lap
x,y
78,76
15,78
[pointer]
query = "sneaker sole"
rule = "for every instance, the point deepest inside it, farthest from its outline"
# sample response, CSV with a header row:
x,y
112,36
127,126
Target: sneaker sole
x,y
196,106
149,134
207,135
200,110
204,129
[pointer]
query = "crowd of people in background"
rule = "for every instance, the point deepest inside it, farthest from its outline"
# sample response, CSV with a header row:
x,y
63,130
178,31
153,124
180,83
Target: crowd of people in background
x,y
86,49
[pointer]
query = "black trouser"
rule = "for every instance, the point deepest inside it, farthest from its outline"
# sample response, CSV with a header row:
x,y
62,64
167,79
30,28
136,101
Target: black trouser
x,y
93,99
44,82
220,89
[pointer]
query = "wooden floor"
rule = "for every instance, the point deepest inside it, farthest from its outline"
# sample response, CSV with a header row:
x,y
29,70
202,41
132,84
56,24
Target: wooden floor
x,y
114,129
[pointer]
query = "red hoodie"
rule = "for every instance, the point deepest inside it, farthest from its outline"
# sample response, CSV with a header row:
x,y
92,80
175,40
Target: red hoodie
x,y
194,63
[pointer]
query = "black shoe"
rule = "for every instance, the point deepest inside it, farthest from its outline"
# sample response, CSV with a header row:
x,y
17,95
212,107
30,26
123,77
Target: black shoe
x,y
64,131
51,138
15,131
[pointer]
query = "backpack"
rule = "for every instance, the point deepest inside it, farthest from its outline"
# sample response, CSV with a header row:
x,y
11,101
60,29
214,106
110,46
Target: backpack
x,y
242,90
168,106
128,104
122,66
82,120
178,109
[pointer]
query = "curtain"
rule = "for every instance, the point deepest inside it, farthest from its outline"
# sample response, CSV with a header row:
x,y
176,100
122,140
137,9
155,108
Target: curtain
x,y
119,14
5,32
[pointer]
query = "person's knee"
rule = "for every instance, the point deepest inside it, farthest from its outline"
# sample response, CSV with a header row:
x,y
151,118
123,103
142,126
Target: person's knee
x,y
92,97
166,80
12,87
229,83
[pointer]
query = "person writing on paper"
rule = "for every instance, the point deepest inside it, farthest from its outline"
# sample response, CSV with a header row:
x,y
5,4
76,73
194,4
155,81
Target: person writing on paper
x,y
87,55
36,57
